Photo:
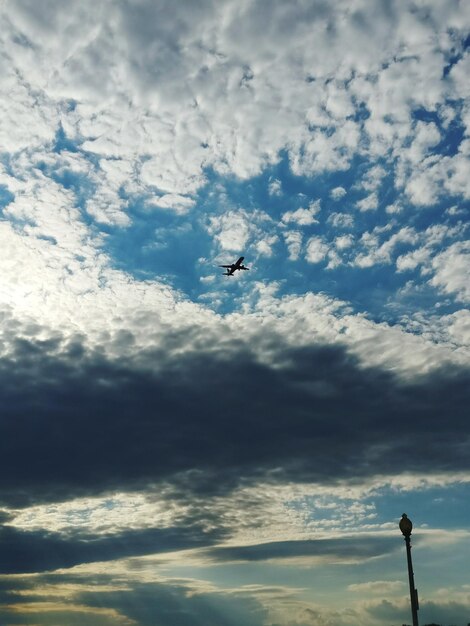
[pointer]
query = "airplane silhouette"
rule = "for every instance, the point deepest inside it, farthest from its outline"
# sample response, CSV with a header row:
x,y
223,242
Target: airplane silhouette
x,y
234,266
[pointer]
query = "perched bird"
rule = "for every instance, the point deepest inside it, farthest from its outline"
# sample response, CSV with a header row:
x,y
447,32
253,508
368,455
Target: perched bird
x,y
406,525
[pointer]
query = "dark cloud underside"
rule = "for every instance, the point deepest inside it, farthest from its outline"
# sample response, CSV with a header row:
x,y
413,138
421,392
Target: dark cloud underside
x,y
344,548
85,425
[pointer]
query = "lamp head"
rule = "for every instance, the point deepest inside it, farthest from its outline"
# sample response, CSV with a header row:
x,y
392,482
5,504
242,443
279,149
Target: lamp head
x,y
406,526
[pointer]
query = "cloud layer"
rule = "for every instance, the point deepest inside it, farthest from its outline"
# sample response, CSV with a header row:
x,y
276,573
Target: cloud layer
x,y
181,448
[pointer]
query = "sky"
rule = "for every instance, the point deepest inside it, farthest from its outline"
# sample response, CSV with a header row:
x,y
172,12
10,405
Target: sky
x,y
182,448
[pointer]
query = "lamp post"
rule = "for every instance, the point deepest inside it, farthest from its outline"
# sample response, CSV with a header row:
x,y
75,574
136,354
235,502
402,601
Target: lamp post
x,y
406,527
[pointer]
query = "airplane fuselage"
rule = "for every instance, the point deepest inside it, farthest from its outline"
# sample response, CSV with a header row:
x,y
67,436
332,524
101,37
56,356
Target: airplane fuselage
x,y
238,265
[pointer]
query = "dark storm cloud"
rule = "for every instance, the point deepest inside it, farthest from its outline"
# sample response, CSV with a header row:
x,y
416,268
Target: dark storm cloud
x,y
9,590
82,425
343,548
172,605
40,551
28,552
153,604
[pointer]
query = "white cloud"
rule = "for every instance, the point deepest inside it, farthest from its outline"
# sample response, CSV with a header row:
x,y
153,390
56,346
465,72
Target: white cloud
x,y
261,512
412,260
426,136
45,209
369,203
459,327
452,270
432,237
170,175
234,229
115,51
303,217
393,208
423,188
344,241
275,187
154,98
108,208
264,247
324,319
382,253
316,250
334,260
459,76
28,118
378,586
437,176
455,210
231,230
293,239
202,88
320,151
337,193
173,201
341,220
373,178
111,513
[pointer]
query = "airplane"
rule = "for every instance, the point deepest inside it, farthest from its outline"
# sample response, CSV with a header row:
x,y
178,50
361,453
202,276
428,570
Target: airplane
x,y
234,266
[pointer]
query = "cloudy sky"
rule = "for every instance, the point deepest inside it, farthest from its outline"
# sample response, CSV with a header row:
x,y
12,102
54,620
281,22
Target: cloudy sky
x,y
179,448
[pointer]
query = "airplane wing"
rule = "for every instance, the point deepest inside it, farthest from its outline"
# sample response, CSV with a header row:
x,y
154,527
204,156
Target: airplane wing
x,y
234,266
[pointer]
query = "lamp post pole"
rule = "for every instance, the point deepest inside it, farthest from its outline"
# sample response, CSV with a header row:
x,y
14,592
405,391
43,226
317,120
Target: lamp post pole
x,y
406,527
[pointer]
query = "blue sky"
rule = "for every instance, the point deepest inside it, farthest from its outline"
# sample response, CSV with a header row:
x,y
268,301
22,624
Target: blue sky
x,y
179,447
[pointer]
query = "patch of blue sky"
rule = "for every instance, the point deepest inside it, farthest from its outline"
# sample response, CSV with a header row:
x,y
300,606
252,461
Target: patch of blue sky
x,y
80,184
6,161
414,300
62,142
366,288
320,580
163,245
424,217
424,115
313,580
452,133
159,245
449,145
445,507
361,111
83,189
5,197
456,55
295,192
